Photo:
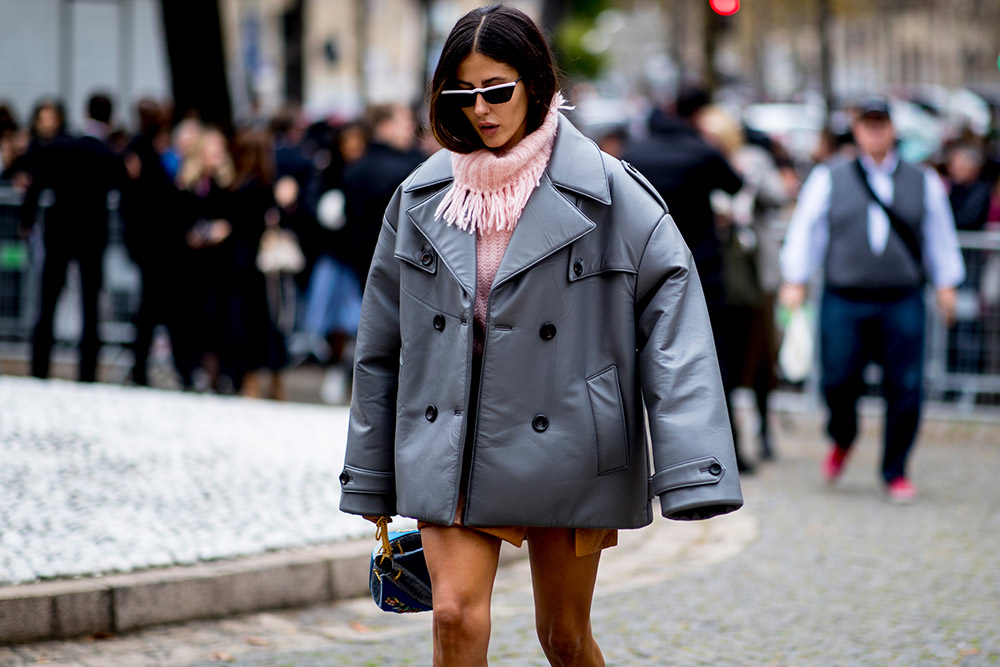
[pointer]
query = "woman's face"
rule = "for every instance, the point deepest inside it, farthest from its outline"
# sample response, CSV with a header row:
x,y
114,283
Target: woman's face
x,y
500,126
47,123
213,151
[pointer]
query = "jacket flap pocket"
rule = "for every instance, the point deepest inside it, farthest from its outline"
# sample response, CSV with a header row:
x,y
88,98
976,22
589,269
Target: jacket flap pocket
x,y
590,257
609,421
414,249
707,470
359,480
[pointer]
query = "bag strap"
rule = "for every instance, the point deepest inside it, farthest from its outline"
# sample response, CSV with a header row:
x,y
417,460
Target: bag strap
x,y
903,230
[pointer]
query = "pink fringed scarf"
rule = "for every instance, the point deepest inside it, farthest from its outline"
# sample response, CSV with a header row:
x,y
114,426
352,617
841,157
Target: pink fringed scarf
x,y
491,190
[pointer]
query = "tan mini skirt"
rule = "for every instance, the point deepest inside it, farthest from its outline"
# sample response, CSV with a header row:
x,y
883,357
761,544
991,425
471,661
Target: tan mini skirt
x,y
587,540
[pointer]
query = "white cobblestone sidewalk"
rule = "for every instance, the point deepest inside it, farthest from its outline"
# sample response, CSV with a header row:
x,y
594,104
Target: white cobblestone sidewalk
x,y
96,479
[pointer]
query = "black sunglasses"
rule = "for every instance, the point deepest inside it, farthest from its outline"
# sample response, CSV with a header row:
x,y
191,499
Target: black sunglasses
x,y
498,94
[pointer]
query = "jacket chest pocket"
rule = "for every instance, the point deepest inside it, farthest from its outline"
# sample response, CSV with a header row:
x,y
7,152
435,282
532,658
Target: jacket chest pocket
x,y
418,270
609,421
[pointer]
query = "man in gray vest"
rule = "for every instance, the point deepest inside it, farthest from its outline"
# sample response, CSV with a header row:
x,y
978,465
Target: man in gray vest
x,y
879,227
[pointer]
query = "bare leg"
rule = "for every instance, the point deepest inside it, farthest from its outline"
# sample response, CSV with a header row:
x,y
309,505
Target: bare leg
x,y
462,564
563,585
251,385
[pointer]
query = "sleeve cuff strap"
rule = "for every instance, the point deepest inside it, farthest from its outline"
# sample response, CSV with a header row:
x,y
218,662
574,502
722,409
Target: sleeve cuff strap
x,y
359,480
707,470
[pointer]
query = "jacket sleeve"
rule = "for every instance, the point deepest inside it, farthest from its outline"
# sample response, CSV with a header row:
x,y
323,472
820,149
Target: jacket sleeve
x,y
368,480
694,461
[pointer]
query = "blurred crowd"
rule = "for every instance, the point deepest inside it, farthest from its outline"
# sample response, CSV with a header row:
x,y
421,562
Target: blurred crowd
x,y
247,239
731,189
254,242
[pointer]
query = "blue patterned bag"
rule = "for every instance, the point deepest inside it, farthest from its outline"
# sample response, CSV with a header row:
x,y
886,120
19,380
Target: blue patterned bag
x,y
399,581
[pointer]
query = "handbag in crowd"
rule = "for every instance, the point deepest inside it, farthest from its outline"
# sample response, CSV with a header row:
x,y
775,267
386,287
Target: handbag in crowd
x,y
399,580
279,252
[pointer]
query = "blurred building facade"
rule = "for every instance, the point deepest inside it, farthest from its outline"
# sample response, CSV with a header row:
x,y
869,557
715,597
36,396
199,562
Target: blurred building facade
x,y
350,52
875,45
67,49
333,56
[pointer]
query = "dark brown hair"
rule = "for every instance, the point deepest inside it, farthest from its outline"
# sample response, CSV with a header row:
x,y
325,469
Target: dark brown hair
x,y
506,35
254,157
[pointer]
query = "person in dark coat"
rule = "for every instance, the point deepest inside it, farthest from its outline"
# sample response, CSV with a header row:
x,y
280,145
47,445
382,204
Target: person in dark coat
x,y
370,182
48,126
80,172
969,196
685,169
255,341
968,192
206,177
153,234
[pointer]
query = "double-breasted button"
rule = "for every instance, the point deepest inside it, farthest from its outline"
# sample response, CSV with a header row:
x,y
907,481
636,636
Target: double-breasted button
x,y
426,258
540,423
344,477
715,469
547,331
431,413
439,322
578,267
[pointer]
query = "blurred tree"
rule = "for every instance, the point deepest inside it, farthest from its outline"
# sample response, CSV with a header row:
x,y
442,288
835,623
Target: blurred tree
x,y
574,37
193,34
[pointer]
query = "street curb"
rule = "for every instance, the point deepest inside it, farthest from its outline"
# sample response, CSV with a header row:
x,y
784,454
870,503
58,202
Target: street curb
x,y
123,603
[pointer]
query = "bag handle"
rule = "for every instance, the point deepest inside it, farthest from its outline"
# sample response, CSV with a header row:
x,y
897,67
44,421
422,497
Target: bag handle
x,y
382,533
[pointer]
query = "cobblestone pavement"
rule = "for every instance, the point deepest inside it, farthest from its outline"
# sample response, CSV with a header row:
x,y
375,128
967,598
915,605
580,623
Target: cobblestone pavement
x,y
101,478
804,575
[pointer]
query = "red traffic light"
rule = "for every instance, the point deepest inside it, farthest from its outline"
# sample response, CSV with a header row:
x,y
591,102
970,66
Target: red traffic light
x,y
725,7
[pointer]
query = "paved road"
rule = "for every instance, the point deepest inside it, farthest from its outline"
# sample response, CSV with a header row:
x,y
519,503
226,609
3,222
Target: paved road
x,y
804,575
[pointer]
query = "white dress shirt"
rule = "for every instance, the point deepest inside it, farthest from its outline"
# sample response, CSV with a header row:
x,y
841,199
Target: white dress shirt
x,y
809,231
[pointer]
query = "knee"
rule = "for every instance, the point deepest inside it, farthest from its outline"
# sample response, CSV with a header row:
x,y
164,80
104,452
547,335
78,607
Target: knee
x,y
455,620
565,644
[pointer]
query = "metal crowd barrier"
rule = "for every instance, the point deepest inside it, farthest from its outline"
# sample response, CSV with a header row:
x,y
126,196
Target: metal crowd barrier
x,y
962,362
16,288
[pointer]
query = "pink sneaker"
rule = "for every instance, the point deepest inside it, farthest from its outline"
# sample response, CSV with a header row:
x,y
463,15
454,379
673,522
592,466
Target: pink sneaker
x,y
833,466
901,491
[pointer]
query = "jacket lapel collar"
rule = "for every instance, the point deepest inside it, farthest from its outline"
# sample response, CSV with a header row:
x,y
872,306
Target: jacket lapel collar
x,y
456,249
549,222
577,164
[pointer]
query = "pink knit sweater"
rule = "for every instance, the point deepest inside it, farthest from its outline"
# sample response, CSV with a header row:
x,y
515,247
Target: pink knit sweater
x,y
490,248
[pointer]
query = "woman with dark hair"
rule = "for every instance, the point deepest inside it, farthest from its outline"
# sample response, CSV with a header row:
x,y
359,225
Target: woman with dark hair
x,y
258,304
527,293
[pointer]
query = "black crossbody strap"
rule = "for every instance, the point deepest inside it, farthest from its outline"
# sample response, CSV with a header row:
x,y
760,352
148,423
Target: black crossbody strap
x,y
904,231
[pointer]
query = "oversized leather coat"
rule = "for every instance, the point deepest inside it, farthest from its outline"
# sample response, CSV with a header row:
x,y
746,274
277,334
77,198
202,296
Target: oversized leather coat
x,y
596,307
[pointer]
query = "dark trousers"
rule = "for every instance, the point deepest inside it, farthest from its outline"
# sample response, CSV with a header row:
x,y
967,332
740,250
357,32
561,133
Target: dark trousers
x,y
57,258
854,331
158,306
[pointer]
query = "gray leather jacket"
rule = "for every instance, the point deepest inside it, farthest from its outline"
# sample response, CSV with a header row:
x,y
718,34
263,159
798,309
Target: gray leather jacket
x,y
596,306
